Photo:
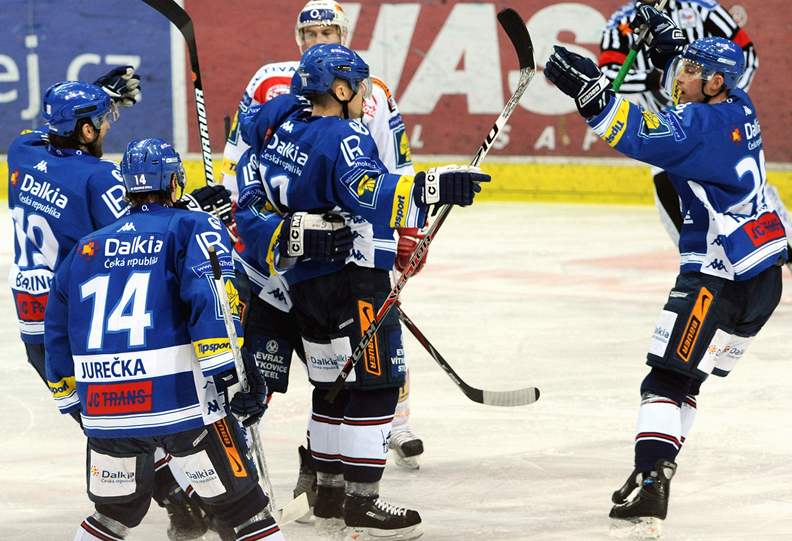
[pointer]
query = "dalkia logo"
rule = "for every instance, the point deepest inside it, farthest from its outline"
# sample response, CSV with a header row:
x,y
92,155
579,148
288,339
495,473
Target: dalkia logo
x,y
44,190
94,471
14,178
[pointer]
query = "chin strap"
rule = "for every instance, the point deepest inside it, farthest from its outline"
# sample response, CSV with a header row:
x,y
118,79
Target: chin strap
x,y
344,104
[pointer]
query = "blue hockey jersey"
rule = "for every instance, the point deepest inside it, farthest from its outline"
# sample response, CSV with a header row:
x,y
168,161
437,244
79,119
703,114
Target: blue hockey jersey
x,y
319,164
55,196
134,329
714,158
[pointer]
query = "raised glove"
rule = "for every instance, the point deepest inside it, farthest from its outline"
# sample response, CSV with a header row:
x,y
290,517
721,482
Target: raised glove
x,y
251,405
449,185
409,237
216,200
320,237
665,39
579,78
122,85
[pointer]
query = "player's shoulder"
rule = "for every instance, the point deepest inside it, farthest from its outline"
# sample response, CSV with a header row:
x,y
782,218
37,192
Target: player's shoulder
x,y
624,12
271,80
28,140
101,173
706,4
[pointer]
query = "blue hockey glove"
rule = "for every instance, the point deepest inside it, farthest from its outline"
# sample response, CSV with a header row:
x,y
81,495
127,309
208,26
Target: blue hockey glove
x,y
449,185
252,404
320,237
579,78
122,85
665,39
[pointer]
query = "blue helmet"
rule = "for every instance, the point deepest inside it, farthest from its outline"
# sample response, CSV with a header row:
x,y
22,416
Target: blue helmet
x,y
717,55
67,102
323,64
148,164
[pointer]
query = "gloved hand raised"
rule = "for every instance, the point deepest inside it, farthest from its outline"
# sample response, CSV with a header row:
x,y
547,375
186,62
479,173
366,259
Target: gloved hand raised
x,y
319,237
449,185
122,85
665,39
579,78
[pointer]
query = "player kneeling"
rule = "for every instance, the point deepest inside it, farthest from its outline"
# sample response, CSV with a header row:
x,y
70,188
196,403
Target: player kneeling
x,y
136,343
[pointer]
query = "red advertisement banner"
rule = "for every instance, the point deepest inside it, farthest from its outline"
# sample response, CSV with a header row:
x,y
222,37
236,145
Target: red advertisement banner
x,y
452,69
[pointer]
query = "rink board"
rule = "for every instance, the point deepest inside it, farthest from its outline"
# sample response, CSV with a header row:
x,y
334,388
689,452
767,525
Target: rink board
x,y
573,182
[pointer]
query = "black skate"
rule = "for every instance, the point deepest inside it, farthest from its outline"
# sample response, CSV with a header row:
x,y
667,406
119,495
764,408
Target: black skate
x,y
646,511
371,518
408,448
306,482
186,520
623,493
329,509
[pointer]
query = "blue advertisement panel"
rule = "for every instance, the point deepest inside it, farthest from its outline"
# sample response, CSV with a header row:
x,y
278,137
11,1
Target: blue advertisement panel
x,y
46,41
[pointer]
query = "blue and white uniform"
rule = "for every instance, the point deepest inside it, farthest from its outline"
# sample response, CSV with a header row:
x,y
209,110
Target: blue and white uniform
x,y
134,327
714,158
55,196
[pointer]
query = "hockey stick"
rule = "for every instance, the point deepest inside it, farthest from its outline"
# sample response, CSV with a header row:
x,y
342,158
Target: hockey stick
x,y
643,31
518,397
176,14
515,29
298,506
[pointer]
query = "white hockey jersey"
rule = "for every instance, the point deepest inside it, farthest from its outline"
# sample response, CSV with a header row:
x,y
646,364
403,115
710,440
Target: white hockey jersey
x,y
380,115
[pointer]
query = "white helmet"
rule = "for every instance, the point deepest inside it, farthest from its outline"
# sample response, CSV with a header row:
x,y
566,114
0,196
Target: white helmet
x,y
324,13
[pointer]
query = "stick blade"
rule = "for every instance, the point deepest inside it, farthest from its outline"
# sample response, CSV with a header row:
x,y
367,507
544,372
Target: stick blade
x,y
514,26
509,399
293,510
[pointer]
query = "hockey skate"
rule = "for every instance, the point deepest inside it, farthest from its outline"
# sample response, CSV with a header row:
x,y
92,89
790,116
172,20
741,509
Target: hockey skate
x,y
306,482
407,447
369,518
329,510
642,517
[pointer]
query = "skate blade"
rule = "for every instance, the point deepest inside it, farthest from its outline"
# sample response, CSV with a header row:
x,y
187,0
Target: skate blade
x,y
329,526
407,462
375,534
640,528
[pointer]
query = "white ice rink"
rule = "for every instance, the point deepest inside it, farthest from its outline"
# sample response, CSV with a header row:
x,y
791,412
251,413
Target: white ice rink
x,y
562,297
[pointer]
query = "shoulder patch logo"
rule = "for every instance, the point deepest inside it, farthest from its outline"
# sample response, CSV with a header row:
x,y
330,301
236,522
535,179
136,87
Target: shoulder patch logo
x,y
14,178
88,249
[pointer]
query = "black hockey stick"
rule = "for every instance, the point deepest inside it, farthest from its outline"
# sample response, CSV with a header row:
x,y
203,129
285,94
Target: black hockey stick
x,y
518,397
515,29
175,14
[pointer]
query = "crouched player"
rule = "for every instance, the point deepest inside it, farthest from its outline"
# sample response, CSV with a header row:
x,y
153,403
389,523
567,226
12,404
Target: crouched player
x,y
135,341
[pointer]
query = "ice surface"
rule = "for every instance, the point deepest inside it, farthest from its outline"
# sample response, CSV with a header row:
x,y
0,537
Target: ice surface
x,y
563,297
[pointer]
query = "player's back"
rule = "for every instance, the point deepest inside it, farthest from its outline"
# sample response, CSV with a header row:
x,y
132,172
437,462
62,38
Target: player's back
x,y
55,197
135,292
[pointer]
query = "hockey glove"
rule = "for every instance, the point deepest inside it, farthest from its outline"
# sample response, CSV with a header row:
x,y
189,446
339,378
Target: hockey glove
x,y
409,237
579,78
449,185
665,39
122,85
216,200
251,405
320,237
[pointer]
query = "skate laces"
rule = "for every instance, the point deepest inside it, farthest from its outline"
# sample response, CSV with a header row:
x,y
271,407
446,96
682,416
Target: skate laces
x,y
389,508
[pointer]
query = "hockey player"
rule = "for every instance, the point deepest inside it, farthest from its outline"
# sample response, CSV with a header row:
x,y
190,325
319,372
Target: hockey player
x,y
268,327
731,244
136,344
324,160
697,19
59,190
